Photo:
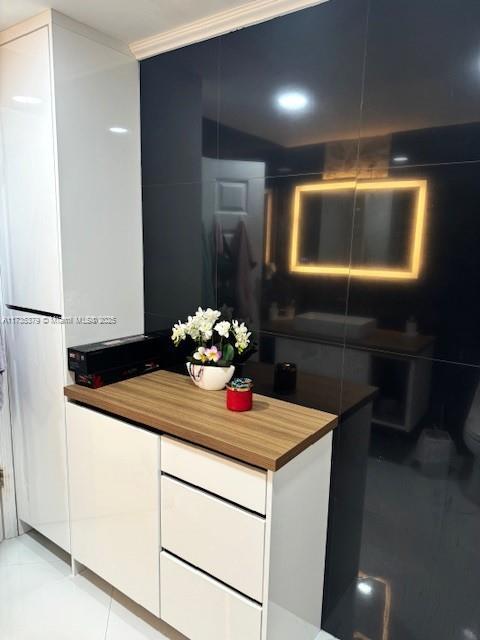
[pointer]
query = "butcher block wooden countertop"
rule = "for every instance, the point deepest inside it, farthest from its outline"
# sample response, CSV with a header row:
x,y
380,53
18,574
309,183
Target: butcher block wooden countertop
x,y
268,436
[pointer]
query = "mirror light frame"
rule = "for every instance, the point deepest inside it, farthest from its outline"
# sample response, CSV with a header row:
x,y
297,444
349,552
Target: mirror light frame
x,y
377,273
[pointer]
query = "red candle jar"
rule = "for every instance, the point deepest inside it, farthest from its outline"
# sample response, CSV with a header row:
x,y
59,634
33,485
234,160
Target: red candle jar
x,y
239,398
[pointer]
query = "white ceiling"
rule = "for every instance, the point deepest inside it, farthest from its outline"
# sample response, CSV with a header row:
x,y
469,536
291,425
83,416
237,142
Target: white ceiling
x,y
127,20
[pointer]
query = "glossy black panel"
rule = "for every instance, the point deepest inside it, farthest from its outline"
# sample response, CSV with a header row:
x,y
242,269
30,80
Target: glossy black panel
x,y
369,327
419,560
156,322
291,84
346,512
179,107
178,251
422,80
255,278
437,313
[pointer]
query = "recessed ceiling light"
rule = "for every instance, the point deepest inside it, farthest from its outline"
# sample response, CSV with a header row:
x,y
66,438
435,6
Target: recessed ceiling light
x,y
118,130
364,588
292,100
26,99
400,159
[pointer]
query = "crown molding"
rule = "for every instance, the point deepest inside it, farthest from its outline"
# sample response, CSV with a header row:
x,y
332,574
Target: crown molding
x,y
43,19
82,29
217,24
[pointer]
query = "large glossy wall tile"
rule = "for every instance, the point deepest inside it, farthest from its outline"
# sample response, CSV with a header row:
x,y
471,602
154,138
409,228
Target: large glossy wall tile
x,y
422,80
435,312
179,112
178,250
421,516
290,85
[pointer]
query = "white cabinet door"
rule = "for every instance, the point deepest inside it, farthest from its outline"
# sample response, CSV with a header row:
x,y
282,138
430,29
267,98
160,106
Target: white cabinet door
x,y
99,184
114,476
28,174
35,366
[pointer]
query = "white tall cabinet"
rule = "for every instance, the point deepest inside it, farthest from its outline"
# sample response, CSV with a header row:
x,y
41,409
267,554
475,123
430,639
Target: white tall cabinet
x,y
71,239
29,174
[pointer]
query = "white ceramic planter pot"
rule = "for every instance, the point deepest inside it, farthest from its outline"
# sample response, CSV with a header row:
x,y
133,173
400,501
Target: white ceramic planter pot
x,y
210,378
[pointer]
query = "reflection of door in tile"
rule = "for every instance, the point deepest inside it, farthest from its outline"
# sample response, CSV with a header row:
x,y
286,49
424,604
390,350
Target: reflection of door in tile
x,y
233,194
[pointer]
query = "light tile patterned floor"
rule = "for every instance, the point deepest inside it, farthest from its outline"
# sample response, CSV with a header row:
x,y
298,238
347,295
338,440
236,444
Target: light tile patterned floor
x,y
41,600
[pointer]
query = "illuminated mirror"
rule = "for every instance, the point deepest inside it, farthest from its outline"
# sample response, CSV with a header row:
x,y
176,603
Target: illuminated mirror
x,y
388,228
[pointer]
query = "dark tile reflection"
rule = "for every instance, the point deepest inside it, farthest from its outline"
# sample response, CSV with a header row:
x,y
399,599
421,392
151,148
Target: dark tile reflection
x,y
419,558
179,257
179,112
437,313
313,390
422,80
291,84
255,280
318,366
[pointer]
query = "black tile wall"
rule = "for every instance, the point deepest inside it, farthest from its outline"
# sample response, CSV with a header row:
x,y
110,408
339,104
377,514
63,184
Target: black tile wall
x,y
418,558
179,94
390,93
179,272
422,77
442,302
301,53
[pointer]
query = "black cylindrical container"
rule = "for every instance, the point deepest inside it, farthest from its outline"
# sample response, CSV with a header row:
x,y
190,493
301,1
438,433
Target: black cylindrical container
x,y
285,379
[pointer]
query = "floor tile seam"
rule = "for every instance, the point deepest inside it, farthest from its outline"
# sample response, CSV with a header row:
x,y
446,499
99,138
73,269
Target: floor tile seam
x,y
105,637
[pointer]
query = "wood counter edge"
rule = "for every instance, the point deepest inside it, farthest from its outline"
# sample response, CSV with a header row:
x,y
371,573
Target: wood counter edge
x,y
86,397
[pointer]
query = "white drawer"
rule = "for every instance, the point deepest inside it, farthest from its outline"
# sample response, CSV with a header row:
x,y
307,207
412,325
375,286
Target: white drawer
x,y
228,478
225,541
202,608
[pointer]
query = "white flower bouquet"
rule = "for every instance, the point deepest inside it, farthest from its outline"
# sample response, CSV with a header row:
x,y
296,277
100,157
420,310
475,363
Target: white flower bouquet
x,y
218,342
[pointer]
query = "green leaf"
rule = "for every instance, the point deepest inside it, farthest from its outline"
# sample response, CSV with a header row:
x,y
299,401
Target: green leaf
x,y
228,353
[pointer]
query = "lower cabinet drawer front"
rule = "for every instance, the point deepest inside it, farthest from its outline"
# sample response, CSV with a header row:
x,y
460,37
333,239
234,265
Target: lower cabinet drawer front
x,y
225,541
202,608
230,479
